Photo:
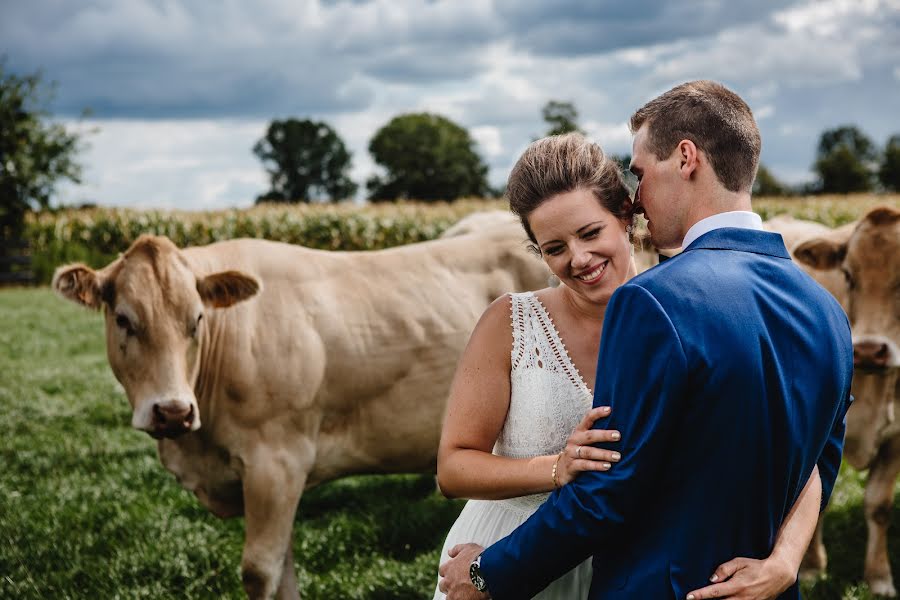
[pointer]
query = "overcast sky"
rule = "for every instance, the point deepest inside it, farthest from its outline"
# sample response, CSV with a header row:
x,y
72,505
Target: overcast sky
x,y
179,91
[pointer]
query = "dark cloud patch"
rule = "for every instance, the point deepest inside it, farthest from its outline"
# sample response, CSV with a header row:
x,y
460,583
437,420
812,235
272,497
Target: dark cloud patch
x,y
571,27
423,64
116,69
151,59
139,86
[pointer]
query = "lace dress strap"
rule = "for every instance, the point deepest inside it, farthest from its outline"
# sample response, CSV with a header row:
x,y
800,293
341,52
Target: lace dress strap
x,y
518,314
551,334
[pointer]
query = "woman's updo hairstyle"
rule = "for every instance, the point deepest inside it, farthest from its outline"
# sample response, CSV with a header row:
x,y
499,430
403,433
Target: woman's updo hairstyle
x,y
564,163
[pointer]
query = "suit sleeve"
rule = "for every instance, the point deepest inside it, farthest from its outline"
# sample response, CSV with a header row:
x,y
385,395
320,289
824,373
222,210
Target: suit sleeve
x,y
641,374
830,460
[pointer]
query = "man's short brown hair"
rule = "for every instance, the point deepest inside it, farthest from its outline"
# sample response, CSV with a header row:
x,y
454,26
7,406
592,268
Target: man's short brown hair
x,y
716,119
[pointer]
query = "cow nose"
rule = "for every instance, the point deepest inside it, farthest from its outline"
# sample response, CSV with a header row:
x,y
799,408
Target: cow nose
x,y
870,354
173,416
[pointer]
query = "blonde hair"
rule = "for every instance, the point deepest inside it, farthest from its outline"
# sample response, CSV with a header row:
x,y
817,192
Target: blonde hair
x,y
564,163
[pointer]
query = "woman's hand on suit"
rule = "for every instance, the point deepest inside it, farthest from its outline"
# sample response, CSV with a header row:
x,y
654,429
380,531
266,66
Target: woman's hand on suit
x,y
748,579
579,455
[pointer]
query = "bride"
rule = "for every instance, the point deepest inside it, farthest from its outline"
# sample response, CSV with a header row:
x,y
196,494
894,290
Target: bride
x,y
519,416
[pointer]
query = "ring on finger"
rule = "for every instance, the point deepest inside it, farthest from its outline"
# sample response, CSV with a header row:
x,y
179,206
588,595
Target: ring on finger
x,y
578,452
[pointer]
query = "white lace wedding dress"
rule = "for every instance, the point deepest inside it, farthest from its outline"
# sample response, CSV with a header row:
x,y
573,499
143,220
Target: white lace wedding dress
x,y
548,398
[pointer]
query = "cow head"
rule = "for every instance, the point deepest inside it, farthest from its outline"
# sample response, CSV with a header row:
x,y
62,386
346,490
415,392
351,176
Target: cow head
x,y
155,306
870,262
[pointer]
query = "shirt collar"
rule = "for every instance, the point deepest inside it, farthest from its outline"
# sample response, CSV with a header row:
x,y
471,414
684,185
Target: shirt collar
x,y
741,219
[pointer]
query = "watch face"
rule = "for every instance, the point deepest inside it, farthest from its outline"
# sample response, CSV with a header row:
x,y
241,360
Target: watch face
x,y
475,576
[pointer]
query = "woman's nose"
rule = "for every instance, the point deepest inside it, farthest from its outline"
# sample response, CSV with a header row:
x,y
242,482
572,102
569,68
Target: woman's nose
x,y
581,257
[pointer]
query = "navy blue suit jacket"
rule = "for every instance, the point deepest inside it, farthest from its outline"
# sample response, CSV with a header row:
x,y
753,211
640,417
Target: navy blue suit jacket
x,y
728,371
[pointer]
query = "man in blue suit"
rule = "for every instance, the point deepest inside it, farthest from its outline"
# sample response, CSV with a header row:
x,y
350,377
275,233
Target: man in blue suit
x,y
728,373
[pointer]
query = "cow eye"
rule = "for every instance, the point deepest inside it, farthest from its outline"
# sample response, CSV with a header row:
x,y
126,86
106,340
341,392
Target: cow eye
x,y
123,322
848,278
196,326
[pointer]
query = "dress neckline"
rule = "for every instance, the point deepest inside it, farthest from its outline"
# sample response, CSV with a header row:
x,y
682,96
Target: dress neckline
x,y
568,363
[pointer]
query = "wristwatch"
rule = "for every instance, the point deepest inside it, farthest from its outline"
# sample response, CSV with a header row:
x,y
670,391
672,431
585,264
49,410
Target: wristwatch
x,y
475,575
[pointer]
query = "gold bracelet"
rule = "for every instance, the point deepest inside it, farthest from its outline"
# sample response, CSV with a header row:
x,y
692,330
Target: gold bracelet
x,y
554,474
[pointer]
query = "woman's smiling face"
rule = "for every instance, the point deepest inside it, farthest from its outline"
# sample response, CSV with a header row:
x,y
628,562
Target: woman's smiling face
x,y
584,244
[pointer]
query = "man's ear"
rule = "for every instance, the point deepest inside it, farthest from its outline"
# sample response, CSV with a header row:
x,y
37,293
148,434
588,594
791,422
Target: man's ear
x,y
224,289
688,156
79,283
821,253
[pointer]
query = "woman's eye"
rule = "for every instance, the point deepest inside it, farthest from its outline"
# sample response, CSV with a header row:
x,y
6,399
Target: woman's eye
x,y
593,233
554,250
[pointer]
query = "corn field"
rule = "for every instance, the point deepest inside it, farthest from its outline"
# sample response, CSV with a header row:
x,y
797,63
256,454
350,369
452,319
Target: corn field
x,y
97,235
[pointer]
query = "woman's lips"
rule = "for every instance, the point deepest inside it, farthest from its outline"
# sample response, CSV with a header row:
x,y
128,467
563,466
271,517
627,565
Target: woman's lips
x,y
594,275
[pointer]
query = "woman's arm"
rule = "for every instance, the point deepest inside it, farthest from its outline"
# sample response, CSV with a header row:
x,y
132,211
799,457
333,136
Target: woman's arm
x,y
748,579
476,411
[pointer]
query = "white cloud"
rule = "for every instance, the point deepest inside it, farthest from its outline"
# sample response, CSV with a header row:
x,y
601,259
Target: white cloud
x,y
198,164
827,18
489,140
613,137
763,112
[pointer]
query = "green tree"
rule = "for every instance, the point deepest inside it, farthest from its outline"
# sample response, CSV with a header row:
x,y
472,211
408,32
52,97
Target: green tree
x,y
561,117
306,160
426,157
889,170
844,161
34,152
766,184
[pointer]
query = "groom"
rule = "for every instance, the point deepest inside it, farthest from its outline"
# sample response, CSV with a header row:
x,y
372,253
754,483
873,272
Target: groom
x,y
728,371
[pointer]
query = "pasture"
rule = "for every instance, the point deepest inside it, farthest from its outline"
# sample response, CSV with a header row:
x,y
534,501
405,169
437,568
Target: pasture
x,y
87,511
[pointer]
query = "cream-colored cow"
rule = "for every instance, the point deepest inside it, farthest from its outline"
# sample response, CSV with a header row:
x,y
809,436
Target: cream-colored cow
x,y
866,258
265,369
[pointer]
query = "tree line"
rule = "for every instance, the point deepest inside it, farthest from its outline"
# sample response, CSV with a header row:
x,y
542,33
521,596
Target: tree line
x,y
421,156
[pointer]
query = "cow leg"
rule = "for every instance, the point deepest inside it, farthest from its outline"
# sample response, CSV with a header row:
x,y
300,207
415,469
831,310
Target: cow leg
x,y
272,491
879,498
815,560
288,589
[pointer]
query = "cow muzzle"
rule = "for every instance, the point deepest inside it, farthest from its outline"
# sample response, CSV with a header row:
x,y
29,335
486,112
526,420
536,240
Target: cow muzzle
x,y
871,354
172,419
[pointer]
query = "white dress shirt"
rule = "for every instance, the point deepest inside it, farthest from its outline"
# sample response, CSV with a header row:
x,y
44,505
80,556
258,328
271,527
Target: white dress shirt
x,y
742,219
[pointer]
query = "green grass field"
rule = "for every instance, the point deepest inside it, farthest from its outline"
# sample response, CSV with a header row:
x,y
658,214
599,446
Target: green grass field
x,y
87,511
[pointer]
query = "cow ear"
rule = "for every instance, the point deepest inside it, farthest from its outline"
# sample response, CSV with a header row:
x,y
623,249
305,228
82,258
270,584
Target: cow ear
x,y
79,283
821,253
221,290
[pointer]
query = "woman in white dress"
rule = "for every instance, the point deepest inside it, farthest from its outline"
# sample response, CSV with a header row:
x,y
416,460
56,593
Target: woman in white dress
x,y
519,417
